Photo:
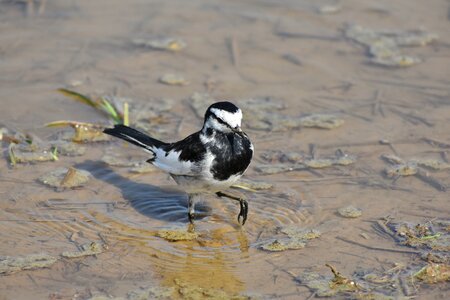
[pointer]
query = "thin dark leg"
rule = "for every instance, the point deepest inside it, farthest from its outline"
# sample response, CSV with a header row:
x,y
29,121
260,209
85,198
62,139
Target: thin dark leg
x,y
243,212
191,211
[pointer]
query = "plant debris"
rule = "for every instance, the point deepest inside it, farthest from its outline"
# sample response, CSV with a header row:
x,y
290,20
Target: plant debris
x,y
88,249
26,148
373,284
65,178
384,46
406,169
326,286
173,79
400,167
26,153
167,44
432,237
84,132
350,212
174,235
9,265
434,273
106,104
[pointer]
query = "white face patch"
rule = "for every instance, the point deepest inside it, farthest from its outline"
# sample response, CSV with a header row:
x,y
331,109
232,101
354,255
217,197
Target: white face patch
x,y
232,119
213,123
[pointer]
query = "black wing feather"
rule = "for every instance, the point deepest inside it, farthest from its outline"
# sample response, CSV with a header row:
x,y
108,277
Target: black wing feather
x,y
135,137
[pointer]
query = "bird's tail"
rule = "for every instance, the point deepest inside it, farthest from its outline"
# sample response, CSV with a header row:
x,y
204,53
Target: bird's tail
x,y
135,137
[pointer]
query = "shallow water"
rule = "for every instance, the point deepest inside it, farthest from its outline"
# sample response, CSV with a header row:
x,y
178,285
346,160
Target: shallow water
x,y
289,54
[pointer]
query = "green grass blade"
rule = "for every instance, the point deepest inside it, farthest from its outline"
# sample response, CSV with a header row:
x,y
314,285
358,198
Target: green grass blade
x,y
55,153
111,111
126,114
60,123
78,97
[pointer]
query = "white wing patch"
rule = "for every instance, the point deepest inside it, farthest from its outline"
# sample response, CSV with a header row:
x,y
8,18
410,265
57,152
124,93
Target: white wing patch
x,y
171,163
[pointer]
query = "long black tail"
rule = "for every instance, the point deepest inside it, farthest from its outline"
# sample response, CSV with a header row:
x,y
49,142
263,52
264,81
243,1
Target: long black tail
x,y
135,137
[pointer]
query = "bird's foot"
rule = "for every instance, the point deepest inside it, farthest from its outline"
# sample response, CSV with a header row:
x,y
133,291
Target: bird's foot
x,y
243,212
191,217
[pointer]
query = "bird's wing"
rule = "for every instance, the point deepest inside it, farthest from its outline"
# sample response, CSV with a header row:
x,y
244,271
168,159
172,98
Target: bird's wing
x,y
181,158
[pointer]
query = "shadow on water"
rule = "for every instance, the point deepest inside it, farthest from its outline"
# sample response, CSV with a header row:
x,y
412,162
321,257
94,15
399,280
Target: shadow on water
x,y
209,261
159,203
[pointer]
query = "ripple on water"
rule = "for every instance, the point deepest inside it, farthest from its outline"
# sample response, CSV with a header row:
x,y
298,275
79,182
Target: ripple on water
x,y
130,228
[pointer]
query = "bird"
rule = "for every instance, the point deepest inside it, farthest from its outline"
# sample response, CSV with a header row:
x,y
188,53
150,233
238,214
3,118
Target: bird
x,y
205,162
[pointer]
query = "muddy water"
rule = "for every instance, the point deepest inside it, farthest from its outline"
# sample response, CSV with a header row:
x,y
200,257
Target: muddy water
x,y
289,52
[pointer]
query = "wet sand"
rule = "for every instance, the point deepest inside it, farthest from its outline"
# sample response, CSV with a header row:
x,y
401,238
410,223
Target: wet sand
x,y
290,53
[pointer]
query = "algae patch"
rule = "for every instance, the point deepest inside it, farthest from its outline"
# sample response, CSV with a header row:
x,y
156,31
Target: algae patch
x,y
283,244
297,238
9,265
323,121
173,79
174,235
194,292
88,249
384,46
350,212
295,161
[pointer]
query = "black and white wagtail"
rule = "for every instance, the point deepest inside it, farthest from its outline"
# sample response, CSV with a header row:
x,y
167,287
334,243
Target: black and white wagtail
x,y
207,161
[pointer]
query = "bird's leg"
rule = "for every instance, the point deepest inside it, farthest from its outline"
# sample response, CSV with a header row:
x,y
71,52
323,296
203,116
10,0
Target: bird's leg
x,y
243,205
191,212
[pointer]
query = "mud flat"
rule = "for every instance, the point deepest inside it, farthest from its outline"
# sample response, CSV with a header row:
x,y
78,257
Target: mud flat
x,y
348,106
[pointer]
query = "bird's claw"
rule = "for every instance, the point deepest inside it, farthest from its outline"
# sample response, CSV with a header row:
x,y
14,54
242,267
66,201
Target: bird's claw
x,y
243,211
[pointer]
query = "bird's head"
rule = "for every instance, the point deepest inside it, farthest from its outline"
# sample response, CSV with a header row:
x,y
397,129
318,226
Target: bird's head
x,y
223,117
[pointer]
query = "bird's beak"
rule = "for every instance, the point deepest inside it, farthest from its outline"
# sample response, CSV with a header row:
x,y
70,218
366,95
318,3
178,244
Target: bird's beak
x,y
237,129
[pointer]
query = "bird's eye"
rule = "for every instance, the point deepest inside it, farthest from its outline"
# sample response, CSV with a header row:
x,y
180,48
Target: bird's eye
x,y
220,120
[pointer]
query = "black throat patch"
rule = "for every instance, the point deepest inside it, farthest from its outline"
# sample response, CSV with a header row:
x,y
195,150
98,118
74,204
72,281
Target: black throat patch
x,y
232,153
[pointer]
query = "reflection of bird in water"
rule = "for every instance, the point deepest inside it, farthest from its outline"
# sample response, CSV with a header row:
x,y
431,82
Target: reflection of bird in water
x,y
207,161
211,268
